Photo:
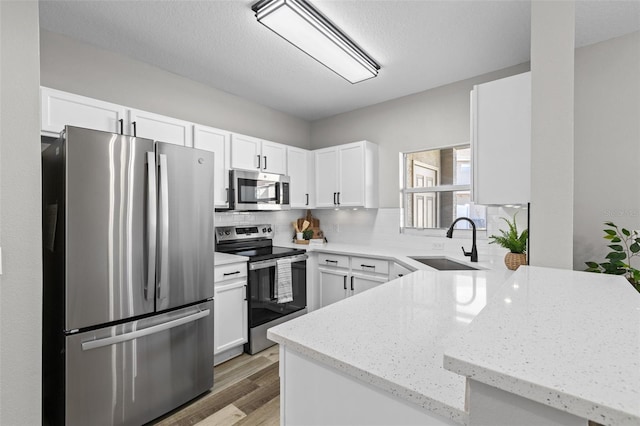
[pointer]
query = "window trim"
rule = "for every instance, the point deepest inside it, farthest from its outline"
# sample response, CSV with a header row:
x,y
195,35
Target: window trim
x,y
403,192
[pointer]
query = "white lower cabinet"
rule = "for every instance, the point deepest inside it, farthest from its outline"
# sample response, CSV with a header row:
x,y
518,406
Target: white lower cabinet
x,y
341,276
230,307
333,285
361,283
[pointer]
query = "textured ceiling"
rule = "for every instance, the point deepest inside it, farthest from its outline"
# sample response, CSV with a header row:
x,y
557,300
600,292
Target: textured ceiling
x,y
419,44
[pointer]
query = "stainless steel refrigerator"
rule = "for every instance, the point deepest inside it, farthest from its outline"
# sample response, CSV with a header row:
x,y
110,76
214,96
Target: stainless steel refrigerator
x,y
128,277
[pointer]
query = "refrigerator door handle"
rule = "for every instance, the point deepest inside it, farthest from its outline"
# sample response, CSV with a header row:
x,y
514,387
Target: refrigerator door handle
x,y
151,223
108,341
163,279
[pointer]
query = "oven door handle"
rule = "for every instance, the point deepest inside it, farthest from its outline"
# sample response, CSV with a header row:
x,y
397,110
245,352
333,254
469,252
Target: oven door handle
x,y
272,262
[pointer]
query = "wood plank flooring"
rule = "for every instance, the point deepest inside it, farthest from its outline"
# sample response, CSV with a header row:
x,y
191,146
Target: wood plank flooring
x,y
246,392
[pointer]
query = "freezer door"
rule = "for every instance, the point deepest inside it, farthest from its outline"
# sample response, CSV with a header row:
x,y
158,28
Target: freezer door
x,y
110,236
185,225
132,373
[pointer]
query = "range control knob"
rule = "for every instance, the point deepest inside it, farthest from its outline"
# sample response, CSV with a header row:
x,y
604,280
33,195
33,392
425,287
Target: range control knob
x,y
269,229
227,232
264,230
220,232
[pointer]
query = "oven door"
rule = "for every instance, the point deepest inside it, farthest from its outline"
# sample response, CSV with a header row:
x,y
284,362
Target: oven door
x,y
263,306
259,191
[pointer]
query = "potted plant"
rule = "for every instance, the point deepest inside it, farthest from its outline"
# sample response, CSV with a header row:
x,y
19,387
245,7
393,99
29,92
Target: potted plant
x,y
514,242
624,246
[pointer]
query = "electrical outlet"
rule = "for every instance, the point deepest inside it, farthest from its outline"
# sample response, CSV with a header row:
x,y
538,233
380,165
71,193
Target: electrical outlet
x,y
437,246
335,227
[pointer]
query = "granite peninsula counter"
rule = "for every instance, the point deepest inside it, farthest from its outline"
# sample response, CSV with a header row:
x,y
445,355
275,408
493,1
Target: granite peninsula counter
x,y
378,358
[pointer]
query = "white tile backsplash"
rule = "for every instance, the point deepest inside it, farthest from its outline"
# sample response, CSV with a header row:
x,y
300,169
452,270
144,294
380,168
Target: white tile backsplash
x,y
378,227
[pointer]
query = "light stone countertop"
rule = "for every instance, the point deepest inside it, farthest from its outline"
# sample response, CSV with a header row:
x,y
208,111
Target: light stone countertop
x,y
220,259
570,340
401,255
397,334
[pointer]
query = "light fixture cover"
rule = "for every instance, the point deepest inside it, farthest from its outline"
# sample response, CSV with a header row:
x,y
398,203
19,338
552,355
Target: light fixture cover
x,y
301,25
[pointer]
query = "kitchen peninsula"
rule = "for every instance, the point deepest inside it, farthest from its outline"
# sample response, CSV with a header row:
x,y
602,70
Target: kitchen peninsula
x,y
455,347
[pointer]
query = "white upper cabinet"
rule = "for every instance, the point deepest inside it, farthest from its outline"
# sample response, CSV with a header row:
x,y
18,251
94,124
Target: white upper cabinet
x,y
501,140
274,158
300,170
326,164
160,128
347,175
219,142
61,108
251,153
245,152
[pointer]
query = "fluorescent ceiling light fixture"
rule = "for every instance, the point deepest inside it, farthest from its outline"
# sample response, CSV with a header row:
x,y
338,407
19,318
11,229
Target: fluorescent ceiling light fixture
x,y
301,25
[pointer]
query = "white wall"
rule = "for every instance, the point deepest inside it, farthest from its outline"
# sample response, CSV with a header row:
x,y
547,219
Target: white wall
x,y
552,70
20,217
607,143
76,67
430,119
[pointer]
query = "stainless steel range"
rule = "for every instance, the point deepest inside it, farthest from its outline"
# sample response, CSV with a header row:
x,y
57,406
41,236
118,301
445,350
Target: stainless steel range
x,y
266,265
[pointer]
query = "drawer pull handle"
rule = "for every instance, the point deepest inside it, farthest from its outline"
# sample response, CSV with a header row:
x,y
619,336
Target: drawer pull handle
x,y
331,261
231,273
368,266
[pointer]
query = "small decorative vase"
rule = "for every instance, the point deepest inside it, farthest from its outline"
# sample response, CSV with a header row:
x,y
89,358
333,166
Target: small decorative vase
x,y
513,260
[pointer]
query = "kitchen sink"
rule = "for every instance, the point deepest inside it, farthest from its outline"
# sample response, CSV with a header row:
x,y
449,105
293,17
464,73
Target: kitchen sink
x,y
443,264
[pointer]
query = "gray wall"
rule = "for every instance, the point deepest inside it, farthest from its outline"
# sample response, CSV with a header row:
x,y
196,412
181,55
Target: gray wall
x,y
20,223
607,143
431,119
76,67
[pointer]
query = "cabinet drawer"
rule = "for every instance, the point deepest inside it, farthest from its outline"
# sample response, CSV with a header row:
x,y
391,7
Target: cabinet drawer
x,y
337,260
230,271
378,266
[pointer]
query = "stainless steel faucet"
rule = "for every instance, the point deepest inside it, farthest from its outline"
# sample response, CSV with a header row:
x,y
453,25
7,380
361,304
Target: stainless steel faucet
x,y
474,250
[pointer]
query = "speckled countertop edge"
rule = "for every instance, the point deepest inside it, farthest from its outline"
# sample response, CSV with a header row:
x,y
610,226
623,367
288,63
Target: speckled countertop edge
x,y
409,395
461,359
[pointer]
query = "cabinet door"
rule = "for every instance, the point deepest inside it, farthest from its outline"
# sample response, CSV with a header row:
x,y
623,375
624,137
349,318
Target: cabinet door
x,y
160,128
501,140
361,283
326,162
245,152
274,158
218,141
61,108
351,161
333,286
398,271
231,321
298,171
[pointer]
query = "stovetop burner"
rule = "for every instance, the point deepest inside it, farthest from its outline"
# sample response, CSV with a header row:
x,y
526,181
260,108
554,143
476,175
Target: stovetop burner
x,y
252,242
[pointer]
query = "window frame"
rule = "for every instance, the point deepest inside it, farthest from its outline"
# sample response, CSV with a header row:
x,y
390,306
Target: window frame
x,y
404,192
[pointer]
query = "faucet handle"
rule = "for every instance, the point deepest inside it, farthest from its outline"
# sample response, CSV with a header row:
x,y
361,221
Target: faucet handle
x,y
466,253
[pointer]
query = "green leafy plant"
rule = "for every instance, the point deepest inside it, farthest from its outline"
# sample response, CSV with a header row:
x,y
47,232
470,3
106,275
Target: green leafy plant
x,y
510,239
624,246
308,234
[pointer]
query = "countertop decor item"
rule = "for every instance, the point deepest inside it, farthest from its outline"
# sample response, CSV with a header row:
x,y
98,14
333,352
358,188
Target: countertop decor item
x,y
514,242
624,246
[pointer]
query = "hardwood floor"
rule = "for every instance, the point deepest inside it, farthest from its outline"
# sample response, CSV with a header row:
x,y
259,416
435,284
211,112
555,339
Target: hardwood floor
x,y
246,391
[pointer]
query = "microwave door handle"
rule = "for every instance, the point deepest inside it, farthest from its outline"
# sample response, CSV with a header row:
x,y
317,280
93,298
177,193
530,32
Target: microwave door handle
x,y
163,279
151,223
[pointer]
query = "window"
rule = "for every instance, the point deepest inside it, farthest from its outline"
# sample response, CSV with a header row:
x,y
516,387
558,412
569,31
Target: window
x,y
436,189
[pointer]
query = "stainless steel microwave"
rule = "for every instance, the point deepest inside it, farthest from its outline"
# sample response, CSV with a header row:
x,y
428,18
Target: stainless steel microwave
x,y
253,190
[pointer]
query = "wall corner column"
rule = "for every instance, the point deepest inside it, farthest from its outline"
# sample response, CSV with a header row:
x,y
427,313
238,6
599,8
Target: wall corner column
x,y
552,126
